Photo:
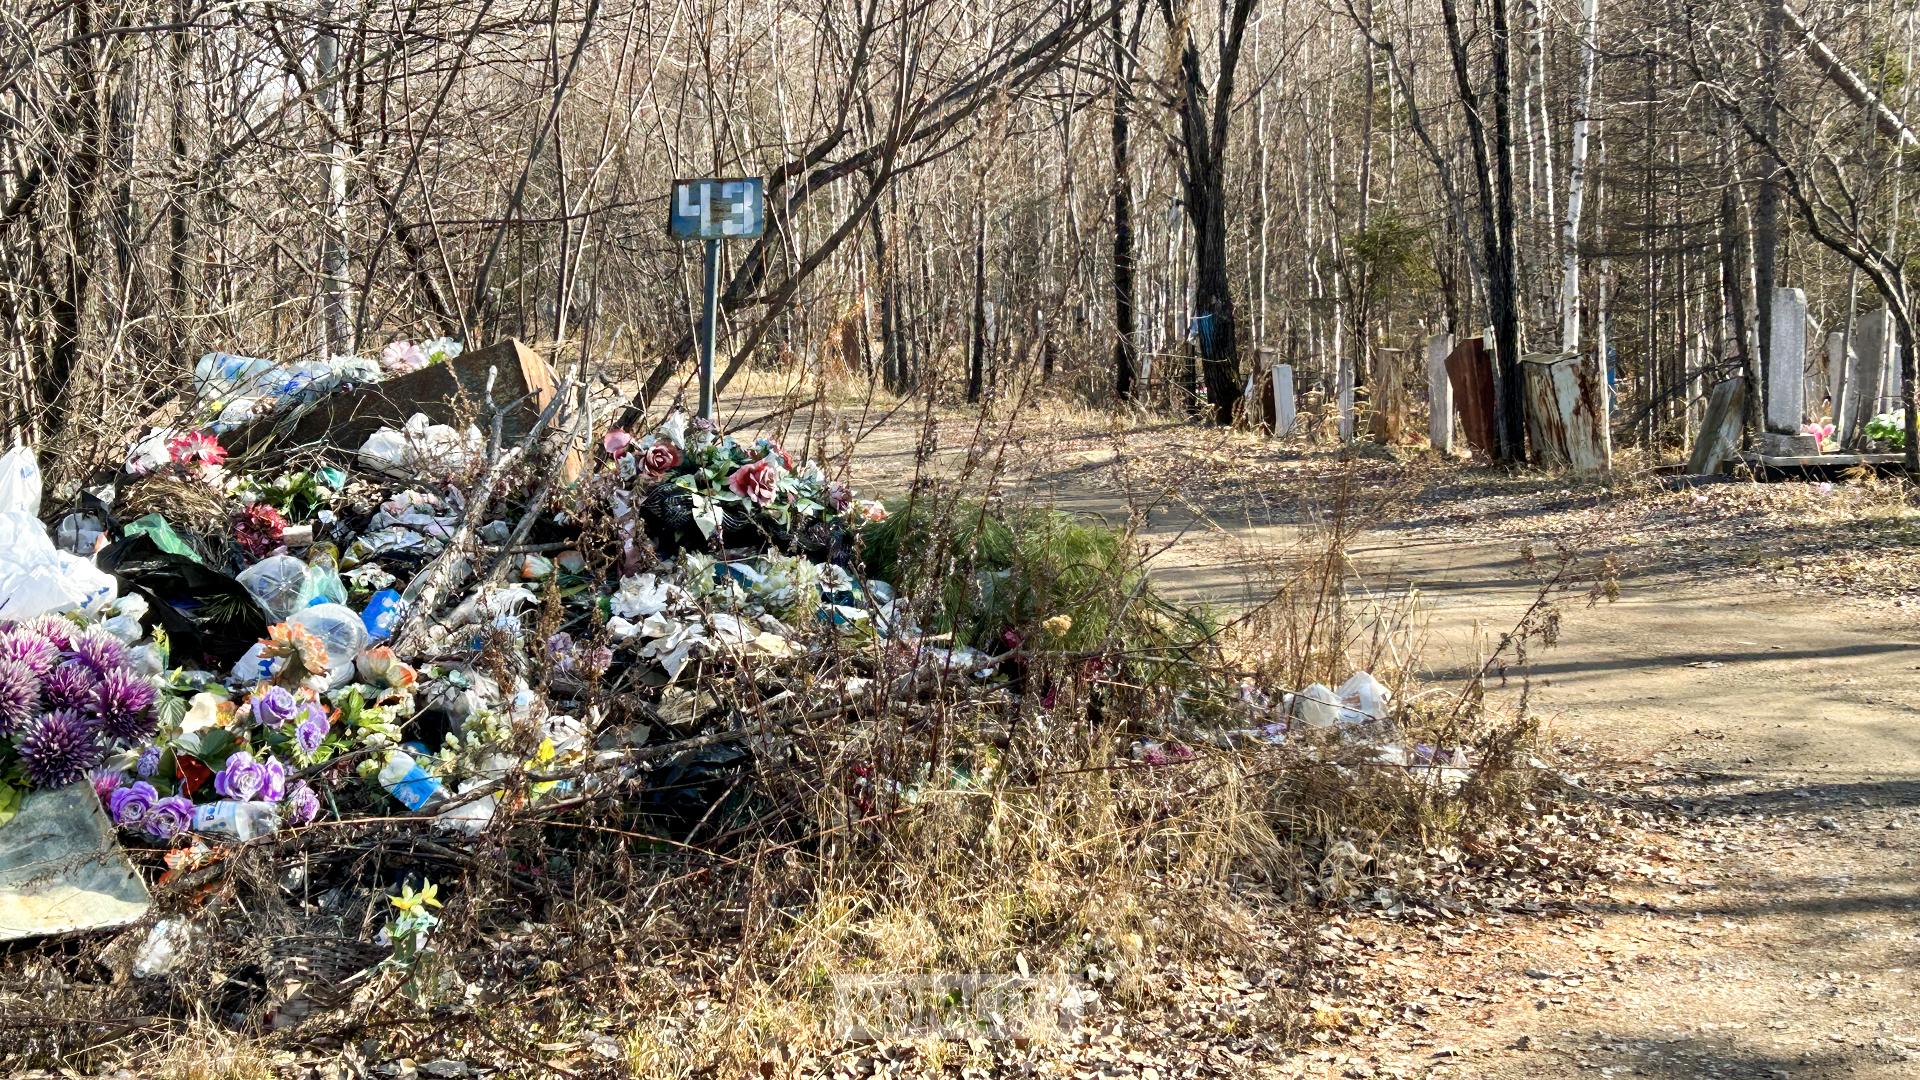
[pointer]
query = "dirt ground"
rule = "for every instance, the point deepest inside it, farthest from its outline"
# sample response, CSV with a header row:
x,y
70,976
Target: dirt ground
x,y
1773,725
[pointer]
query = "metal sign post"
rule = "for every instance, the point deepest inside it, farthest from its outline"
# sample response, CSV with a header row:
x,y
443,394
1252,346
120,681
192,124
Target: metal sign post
x,y
714,210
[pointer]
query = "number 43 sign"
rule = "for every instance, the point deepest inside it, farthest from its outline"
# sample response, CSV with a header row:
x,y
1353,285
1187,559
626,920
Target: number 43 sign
x,y
715,210
718,209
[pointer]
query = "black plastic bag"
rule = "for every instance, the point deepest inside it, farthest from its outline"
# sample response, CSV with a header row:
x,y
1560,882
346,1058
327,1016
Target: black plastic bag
x,y
207,615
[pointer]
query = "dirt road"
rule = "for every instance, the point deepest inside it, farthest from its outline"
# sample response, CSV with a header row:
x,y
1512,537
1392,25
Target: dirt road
x,y
1775,931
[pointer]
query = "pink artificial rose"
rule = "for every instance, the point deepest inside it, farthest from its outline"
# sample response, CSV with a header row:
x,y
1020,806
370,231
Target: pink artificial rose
x,y
616,442
660,457
756,482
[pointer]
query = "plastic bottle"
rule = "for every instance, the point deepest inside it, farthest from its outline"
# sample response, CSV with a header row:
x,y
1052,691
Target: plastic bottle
x,y
236,820
275,582
404,779
340,629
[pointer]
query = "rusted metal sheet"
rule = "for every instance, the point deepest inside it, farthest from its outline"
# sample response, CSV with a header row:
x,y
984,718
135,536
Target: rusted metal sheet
x,y
1720,428
1567,411
1470,369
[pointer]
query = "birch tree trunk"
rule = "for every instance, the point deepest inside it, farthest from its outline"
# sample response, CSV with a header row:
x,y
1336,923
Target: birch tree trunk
x,y
1577,179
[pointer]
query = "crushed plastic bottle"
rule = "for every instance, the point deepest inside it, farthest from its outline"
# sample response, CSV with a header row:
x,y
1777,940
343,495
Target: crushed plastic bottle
x,y
403,777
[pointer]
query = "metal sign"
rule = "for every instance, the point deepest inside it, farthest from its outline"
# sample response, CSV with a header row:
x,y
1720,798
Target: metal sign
x,y
718,209
715,210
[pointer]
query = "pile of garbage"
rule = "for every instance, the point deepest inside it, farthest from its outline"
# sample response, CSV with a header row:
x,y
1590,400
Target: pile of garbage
x,y
419,624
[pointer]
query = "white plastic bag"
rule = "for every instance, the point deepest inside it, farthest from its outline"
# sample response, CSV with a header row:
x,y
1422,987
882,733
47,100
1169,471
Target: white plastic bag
x,y
35,576
421,446
1365,699
1316,706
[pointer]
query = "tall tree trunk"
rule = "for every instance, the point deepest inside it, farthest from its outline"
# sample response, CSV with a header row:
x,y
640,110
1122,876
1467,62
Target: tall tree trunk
x,y
1503,303
1204,124
336,289
1126,346
80,123
977,355
1766,228
1577,179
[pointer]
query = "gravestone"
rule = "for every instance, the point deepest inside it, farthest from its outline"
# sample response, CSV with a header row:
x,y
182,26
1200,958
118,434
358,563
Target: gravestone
x,y
1866,374
1439,393
1470,371
1283,412
1567,411
1787,378
1343,391
1719,428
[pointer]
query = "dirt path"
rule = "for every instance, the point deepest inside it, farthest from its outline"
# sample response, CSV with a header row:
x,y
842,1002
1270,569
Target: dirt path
x,y
1778,732
1775,931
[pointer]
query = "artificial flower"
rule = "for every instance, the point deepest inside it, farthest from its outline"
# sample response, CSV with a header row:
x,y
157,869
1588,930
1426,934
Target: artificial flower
x,y
58,748
401,357
616,442
274,706
410,902
168,817
19,696
259,529
312,729
757,482
130,803
302,804
197,450
241,778
660,457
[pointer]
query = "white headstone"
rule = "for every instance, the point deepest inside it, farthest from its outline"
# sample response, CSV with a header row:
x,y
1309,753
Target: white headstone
x,y
1866,374
1787,363
1439,393
1283,415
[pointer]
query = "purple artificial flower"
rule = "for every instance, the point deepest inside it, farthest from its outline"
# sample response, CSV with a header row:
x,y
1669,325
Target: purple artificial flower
x,y
273,785
99,650
70,686
30,649
130,805
19,696
124,703
312,729
302,804
59,748
105,781
148,762
168,817
274,706
839,497
560,651
241,778
57,631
